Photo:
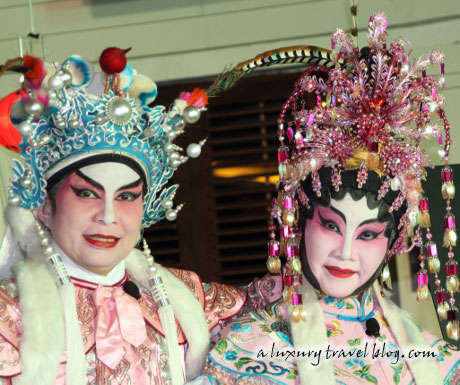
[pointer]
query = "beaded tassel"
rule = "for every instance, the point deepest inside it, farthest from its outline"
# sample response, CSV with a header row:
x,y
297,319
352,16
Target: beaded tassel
x,y
361,178
452,282
316,183
452,318
423,218
448,188
422,280
273,261
288,282
298,312
336,179
441,301
450,233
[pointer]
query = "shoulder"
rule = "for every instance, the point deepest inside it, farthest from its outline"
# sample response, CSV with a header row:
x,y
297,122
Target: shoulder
x,y
10,329
252,346
220,302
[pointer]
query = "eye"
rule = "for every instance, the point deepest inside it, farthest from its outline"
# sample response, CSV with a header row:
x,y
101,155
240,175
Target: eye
x,y
331,225
85,193
127,196
368,235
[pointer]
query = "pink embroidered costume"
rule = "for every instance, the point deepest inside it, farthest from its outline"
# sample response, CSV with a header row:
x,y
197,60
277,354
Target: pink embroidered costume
x,y
350,197
79,304
136,352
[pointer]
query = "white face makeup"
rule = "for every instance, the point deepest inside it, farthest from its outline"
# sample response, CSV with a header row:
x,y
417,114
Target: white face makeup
x,y
98,215
344,244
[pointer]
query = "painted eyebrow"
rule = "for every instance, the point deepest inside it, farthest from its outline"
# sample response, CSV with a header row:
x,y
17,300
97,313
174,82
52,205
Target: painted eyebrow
x,y
339,213
100,187
130,185
89,180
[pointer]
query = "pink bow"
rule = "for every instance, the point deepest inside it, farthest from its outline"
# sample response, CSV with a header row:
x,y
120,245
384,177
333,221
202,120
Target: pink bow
x,y
119,320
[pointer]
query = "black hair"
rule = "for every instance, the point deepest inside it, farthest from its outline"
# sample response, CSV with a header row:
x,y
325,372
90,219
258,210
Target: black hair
x,y
349,185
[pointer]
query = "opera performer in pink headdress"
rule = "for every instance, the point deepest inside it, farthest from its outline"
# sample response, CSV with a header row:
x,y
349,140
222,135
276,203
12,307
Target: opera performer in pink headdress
x,y
349,198
82,305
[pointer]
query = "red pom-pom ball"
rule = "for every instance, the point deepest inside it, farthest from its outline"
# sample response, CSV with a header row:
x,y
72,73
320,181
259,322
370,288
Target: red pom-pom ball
x,y
113,60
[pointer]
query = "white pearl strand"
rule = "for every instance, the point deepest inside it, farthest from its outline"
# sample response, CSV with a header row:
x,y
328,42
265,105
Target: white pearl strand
x,y
155,281
53,259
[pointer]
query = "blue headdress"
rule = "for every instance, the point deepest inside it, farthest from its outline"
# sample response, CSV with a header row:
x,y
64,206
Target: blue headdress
x,y
66,117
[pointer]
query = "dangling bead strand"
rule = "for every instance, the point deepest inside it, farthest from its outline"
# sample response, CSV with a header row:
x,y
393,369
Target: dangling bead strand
x,y
452,320
273,261
422,280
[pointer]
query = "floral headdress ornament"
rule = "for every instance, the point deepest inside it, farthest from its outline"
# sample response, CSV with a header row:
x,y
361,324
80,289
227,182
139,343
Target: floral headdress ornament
x,y
373,108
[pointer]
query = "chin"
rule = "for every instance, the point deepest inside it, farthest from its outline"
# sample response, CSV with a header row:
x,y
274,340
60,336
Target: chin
x,y
338,289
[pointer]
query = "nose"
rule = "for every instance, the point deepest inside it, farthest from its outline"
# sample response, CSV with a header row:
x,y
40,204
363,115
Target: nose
x,y
347,245
106,214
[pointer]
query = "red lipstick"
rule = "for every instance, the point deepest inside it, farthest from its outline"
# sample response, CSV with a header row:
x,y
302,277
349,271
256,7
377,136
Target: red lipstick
x,y
100,240
340,273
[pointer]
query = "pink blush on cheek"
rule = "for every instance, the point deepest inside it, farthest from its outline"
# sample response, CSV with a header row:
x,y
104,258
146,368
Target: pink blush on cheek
x,y
131,211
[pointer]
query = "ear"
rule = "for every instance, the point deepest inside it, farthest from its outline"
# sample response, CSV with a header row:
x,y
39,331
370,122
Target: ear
x,y
45,211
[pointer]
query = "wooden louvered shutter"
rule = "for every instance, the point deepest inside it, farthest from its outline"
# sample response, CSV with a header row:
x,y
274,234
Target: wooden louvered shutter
x,y
221,232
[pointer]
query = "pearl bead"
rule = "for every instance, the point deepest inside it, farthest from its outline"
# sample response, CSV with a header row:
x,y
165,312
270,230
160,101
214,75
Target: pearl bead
x,y
55,82
26,182
65,76
183,159
33,107
171,215
179,124
173,155
13,200
169,147
175,163
48,250
172,134
191,114
44,139
52,96
193,150
41,233
25,128
167,204
44,241
119,111
60,123
74,123
34,145
100,119
153,269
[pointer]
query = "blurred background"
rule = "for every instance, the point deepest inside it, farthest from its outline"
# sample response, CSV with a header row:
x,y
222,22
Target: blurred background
x,y
222,230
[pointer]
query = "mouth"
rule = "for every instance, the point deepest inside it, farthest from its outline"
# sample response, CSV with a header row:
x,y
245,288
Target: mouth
x,y
100,240
338,272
